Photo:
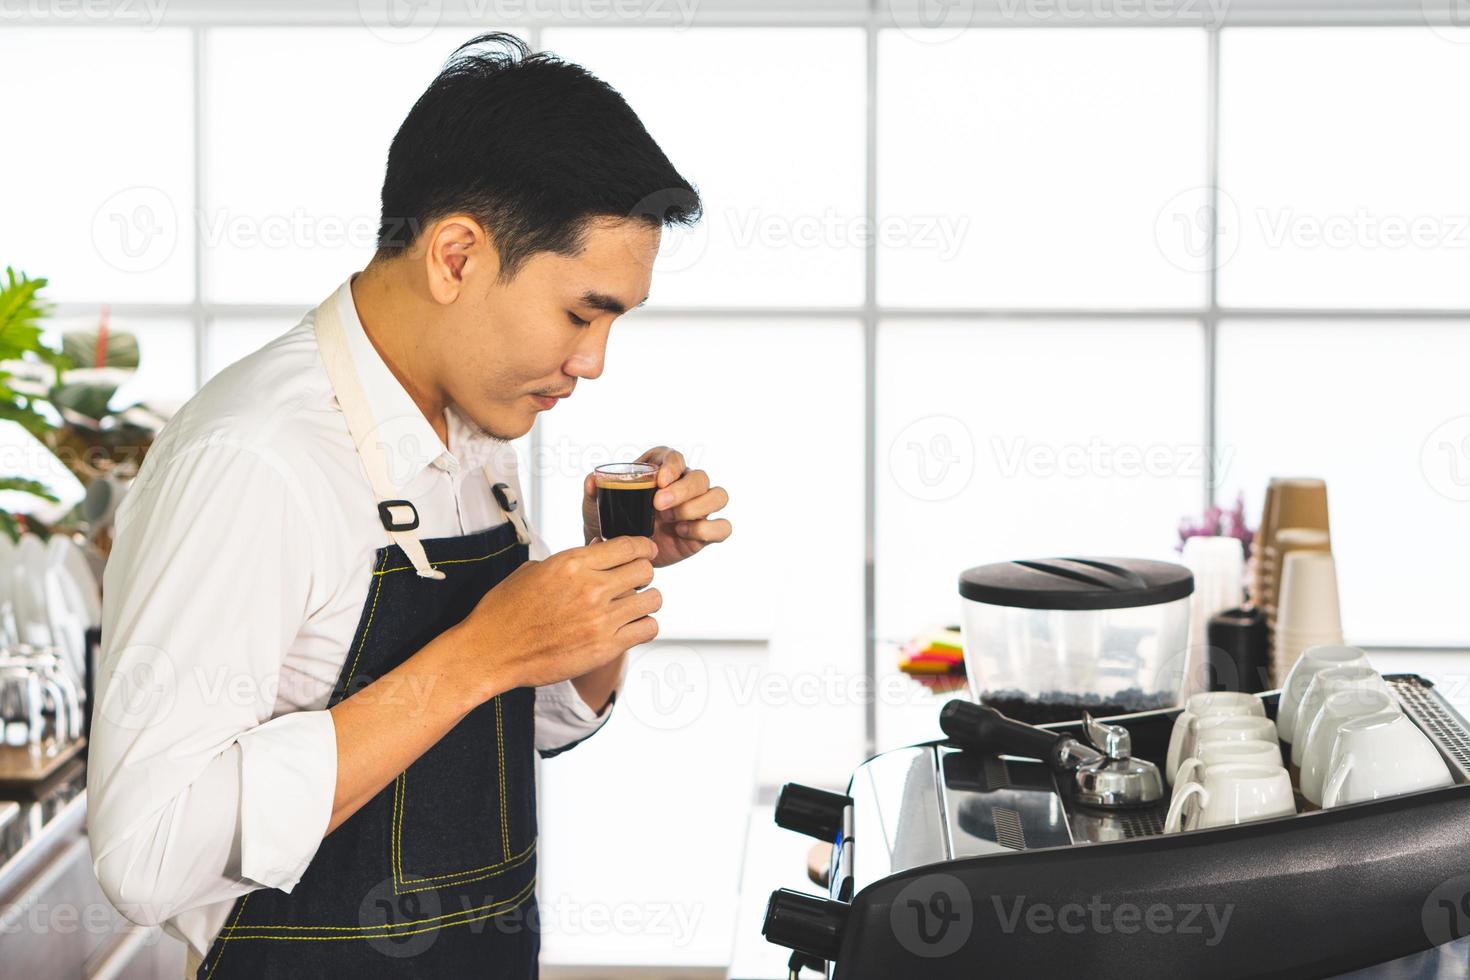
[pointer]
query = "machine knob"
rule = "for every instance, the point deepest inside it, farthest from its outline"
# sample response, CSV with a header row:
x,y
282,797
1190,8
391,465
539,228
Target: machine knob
x,y
805,923
814,812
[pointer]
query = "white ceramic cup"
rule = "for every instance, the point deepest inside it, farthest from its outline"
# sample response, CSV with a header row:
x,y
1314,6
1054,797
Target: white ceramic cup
x,y
1312,661
1205,704
1340,707
1231,728
1251,752
1380,755
1230,794
1324,684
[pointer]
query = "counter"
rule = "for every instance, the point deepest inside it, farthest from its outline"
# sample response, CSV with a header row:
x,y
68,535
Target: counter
x,y
54,920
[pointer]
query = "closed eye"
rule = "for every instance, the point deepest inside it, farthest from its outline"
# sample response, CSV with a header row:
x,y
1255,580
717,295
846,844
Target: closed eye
x,y
576,320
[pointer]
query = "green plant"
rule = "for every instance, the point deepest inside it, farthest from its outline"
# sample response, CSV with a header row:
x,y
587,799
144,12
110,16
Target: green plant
x,y
64,397
21,311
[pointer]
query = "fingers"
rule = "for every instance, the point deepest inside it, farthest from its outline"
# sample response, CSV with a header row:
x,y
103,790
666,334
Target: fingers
x,y
703,505
670,464
637,605
634,575
637,632
708,532
619,551
692,484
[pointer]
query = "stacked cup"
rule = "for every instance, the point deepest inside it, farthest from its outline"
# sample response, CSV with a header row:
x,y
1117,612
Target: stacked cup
x,y
1218,565
1308,614
1208,705
1349,736
1225,764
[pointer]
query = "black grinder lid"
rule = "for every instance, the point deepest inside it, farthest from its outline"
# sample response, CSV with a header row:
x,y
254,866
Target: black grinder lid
x,y
1077,583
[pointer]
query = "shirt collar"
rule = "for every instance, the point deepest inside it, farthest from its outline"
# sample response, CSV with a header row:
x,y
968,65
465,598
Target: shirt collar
x,y
409,442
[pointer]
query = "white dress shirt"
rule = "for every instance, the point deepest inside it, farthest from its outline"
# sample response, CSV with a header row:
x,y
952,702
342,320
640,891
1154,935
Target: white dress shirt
x,y
241,564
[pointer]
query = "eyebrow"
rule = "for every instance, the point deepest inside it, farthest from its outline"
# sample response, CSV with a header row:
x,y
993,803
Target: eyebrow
x,y
602,301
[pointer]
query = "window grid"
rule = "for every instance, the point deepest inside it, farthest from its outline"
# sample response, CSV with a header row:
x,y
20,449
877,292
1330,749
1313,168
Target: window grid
x,y
871,312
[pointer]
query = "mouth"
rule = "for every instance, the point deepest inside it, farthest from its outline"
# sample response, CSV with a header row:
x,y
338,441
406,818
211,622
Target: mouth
x,y
545,402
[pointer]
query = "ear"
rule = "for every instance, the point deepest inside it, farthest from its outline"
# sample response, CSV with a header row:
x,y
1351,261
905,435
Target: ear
x,y
457,250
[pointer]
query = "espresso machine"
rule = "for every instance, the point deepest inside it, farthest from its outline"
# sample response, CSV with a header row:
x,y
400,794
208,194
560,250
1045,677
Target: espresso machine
x,y
1008,850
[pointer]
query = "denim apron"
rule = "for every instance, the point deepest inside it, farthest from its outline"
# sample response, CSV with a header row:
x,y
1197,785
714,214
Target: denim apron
x,y
436,875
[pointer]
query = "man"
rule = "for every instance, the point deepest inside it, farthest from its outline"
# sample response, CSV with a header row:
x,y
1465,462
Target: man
x,y
332,644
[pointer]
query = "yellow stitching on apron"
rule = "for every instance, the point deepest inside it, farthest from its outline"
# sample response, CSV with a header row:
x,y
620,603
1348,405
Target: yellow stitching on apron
x,y
502,868
500,749
448,561
395,855
365,630
512,903
230,927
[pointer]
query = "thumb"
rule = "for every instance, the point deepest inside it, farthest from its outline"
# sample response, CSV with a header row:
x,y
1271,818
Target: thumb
x,y
589,486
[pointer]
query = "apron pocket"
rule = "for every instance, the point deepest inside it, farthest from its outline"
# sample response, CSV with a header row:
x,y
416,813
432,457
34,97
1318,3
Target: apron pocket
x,y
472,817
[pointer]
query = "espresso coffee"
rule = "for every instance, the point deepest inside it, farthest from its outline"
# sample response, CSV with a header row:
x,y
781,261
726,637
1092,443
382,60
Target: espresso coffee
x,y
625,505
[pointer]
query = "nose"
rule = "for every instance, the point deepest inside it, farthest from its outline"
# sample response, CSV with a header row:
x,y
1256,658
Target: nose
x,y
586,359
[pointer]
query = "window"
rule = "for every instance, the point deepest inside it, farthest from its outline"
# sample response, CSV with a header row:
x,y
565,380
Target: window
x,y
1034,281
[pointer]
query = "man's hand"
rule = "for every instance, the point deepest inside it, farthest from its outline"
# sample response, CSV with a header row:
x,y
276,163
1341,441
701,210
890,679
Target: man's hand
x,y
573,615
682,508
560,618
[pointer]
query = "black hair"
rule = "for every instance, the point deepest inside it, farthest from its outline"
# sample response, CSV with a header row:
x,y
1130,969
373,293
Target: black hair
x,y
532,147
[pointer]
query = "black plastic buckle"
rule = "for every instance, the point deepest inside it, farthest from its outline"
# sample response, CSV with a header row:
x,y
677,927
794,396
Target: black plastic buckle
x,y
385,511
504,499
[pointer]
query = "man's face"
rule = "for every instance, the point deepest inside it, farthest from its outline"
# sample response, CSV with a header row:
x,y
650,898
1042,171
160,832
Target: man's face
x,y
516,347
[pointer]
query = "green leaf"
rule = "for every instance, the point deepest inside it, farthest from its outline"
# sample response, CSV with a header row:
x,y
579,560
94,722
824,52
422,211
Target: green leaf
x,y
32,487
80,347
86,398
21,310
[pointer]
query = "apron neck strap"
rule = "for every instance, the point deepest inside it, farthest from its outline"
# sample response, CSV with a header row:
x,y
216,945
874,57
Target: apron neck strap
x,y
399,516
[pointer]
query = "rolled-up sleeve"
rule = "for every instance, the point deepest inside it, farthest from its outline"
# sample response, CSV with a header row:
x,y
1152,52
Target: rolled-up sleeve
x,y
196,793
